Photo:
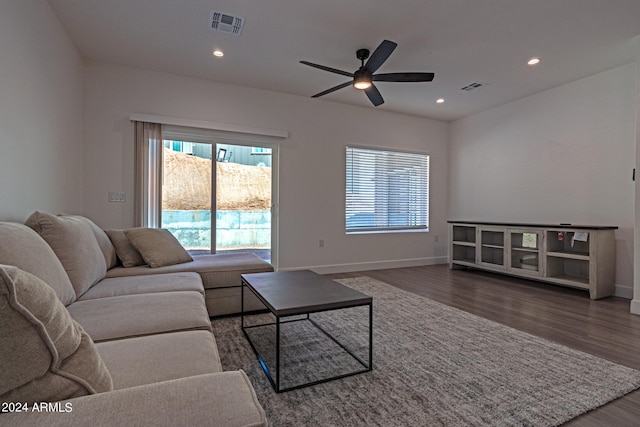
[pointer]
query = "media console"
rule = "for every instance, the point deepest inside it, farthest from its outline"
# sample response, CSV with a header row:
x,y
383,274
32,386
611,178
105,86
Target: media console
x,y
579,256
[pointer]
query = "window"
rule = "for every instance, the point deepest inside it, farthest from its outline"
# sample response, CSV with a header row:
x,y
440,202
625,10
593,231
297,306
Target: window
x,y
209,206
179,146
260,150
386,191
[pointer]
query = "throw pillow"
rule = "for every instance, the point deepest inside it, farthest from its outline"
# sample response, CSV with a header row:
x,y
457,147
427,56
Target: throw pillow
x,y
22,247
45,355
75,245
128,255
157,246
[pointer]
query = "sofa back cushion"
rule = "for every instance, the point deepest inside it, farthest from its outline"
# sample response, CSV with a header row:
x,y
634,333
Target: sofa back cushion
x,y
45,355
75,245
22,247
103,240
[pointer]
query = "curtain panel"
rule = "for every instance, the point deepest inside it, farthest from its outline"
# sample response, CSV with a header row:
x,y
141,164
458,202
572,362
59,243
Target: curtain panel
x,y
148,174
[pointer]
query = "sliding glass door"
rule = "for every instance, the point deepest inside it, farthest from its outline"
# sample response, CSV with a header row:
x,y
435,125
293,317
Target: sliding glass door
x,y
239,179
243,199
186,193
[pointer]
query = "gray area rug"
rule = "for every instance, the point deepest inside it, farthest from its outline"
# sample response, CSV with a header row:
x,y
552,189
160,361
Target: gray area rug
x,y
433,365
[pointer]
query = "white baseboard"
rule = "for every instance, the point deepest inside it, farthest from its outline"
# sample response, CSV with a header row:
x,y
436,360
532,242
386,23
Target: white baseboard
x,y
635,306
373,265
623,291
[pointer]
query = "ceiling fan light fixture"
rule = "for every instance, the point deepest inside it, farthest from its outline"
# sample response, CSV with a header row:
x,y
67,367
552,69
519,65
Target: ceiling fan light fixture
x,y
362,79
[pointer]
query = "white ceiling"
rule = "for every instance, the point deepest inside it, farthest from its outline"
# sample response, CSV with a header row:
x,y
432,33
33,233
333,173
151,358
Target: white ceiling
x,y
461,41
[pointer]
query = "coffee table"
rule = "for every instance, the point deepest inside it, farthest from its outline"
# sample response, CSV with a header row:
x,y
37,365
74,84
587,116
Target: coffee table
x,y
290,294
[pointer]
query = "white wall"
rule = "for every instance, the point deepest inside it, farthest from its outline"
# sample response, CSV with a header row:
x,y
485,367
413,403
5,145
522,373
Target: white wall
x,y
41,127
562,155
635,304
311,161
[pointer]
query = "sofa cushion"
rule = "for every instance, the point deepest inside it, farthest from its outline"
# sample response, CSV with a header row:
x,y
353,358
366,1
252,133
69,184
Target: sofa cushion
x,y
137,315
154,358
219,399
75,245
103,240
157,246
22,247
132,285
216,270
45,355
128,255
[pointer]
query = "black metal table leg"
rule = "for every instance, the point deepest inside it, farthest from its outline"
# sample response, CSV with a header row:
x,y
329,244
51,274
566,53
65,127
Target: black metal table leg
x,y
371,336
278,354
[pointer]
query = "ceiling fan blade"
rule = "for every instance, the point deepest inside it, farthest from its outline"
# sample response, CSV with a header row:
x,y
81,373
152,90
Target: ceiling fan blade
x,y
403,77
333,89
380,55
331,70
374,95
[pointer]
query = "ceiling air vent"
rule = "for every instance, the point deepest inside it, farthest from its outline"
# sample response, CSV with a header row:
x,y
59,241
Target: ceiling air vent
x,y
226,23
473,87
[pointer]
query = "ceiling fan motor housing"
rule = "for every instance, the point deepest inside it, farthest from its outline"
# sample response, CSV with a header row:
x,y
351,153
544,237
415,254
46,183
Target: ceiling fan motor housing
x,y
362,78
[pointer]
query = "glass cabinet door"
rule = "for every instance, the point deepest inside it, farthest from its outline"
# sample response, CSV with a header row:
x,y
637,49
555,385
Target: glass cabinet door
x,y
492,247
463,244
525,251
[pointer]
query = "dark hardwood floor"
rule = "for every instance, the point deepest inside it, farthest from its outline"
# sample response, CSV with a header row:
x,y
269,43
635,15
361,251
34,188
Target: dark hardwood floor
x,y
604,328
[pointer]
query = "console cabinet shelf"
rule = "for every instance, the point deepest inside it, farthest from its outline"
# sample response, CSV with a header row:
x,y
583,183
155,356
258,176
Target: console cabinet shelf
x,y
576,256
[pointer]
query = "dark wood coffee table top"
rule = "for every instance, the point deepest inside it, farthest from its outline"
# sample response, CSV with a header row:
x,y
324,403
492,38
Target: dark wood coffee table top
x,y
287,293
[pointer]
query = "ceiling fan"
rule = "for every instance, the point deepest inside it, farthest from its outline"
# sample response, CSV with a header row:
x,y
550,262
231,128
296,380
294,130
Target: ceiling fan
x,y
363,78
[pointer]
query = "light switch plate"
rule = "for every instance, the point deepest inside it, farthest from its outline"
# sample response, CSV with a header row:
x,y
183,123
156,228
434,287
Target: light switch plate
x,y
117,197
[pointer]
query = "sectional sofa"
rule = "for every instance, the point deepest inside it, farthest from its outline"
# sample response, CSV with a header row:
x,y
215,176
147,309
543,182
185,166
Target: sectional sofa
x,y
87,340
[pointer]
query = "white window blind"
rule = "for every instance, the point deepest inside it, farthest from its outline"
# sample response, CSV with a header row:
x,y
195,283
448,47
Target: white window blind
x,y
386,190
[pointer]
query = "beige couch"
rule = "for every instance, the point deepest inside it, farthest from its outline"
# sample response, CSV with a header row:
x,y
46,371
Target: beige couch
x,y
83,343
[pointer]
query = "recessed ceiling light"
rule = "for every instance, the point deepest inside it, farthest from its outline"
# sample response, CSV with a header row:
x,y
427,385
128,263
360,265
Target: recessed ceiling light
x,y
533,61
440,100
218,53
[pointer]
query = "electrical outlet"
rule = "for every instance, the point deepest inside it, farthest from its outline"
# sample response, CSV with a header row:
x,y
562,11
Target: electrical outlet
x,y
321,243
117,197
